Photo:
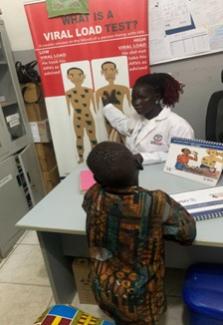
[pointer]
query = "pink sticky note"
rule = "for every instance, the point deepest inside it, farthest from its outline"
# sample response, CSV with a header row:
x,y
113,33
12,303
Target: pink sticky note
x,y
86,180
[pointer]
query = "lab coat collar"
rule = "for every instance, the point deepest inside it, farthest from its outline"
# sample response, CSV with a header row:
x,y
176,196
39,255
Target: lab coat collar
x,y
163,114
151,124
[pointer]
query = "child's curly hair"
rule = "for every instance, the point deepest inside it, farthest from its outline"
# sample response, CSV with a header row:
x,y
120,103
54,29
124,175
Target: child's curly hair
x,y
112,164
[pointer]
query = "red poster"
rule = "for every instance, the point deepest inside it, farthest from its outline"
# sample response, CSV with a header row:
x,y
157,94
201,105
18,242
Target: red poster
x,y
115,32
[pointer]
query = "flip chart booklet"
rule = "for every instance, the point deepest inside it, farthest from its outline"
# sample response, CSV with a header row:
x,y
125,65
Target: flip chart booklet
x,y
198,160
86,180
202,204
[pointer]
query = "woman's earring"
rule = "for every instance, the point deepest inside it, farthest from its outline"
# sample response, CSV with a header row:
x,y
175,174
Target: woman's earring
x,y
157,101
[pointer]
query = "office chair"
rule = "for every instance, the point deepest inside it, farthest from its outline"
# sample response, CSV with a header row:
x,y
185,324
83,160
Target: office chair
x,y
214,116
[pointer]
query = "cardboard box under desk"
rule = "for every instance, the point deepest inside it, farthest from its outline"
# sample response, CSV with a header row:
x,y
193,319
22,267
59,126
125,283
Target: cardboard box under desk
x,y
81,270
50,179
46,156
40,131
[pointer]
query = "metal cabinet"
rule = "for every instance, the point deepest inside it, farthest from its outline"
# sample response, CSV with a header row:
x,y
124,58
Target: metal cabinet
x,y
30,168
20,179
4,140
13,204
11,103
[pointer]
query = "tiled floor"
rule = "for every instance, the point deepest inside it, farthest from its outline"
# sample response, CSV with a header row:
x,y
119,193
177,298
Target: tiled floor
x,y
25,291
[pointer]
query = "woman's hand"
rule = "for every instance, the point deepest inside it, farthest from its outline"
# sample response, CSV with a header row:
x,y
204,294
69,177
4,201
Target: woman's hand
x,y
139,161
110,98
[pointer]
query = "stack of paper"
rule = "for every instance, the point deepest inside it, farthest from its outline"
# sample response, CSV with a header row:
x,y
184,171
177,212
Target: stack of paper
x,y
202,204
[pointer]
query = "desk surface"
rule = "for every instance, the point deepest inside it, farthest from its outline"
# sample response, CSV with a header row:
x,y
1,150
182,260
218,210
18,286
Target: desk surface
x,y
60,211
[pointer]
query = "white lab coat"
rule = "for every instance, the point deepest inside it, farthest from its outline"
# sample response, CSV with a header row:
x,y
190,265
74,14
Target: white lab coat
x,y
150,138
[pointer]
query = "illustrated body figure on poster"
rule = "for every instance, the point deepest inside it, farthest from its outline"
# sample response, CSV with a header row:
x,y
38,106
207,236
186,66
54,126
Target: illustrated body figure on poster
x,y
113,90
79,100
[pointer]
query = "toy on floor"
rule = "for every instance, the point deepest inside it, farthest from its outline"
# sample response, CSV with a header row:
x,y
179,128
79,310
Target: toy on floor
x,y
68,315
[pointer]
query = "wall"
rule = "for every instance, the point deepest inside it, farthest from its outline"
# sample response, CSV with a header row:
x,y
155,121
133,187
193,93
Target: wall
x,y
13,14
200,75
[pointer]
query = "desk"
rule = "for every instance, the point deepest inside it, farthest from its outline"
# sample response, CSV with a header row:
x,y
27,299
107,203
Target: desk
x,y
60,224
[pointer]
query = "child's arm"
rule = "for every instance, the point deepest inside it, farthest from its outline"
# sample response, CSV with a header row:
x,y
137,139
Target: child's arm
x,y
178,224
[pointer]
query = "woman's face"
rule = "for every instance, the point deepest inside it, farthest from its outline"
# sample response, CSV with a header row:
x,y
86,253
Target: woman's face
x,y
144,100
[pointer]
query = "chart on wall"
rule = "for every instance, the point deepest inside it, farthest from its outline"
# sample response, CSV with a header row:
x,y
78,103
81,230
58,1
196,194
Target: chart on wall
x,y
81,59
184,28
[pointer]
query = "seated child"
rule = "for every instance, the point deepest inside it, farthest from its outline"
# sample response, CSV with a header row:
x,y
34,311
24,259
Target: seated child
x,y
126,228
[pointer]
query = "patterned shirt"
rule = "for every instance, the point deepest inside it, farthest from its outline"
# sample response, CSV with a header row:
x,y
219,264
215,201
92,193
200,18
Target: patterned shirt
x,y
126,229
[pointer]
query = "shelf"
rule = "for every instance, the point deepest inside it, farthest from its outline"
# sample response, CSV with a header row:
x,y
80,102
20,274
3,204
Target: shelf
x,y
5,104
2,62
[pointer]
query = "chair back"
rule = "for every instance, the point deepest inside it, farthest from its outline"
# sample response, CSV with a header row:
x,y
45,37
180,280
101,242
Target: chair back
x,y
214,118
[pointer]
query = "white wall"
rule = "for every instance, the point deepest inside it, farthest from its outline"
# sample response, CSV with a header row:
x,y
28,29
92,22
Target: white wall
x,y
17,27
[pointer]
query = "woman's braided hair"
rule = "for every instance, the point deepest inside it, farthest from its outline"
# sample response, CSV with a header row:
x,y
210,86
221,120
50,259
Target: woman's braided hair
x,y
164,84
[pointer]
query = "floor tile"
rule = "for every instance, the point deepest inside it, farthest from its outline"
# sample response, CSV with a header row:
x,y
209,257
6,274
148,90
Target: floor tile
x,y
30,238
26,266
174,282
22,304
175,314
3,260
22,236
91,309
51,302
